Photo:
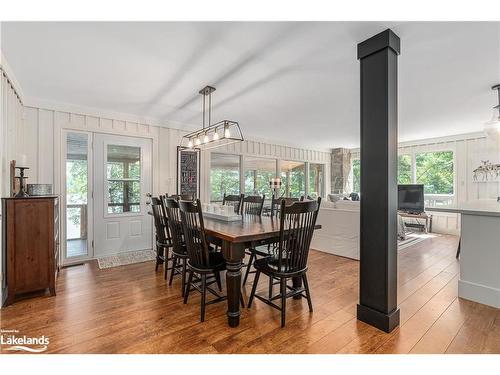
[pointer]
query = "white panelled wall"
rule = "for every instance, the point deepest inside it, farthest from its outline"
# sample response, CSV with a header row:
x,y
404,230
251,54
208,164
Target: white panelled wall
x,y
468,151
11,136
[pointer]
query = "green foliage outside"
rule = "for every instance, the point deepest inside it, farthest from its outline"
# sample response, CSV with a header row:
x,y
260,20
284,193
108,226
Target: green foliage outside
x,y
316,177
76,187
404,169
296,181
223,181
434,170
258,183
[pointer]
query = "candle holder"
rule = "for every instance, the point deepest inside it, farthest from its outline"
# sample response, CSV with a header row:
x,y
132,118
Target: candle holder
x,y
22,191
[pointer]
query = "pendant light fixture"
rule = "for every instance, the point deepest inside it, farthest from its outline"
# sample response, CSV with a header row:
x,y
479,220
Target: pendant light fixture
x,y
212,135
492,127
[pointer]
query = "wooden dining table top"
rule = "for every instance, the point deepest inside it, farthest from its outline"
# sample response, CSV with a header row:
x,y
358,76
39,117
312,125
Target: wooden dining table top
x,y
250,228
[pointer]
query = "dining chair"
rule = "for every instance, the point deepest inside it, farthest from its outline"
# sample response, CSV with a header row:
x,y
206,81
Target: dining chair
x,y
184,197
297,224
253,205
179,252
162,234
202,262
233,200
276,203
265,249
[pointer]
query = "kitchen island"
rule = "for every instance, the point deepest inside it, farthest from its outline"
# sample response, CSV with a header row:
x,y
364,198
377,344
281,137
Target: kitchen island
x,y
479,250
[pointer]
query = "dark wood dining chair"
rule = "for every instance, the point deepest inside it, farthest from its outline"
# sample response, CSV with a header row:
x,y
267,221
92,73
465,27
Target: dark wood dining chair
x,y
297,223
252,205
162,235
276,203
233,200
202,262
184,197
179,252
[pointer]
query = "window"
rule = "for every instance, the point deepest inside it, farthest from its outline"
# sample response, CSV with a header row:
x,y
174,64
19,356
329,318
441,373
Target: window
x,y
258,173
224,176
316,180
76,194
356,174
404,169
124,178
293,178
435,172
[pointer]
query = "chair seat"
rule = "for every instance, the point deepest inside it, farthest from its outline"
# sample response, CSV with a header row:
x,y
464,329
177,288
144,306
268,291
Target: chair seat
x,y
263,251
270,266
216,261
182,252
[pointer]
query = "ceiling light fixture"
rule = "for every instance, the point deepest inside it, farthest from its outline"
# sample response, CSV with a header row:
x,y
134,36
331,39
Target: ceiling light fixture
x,y
218,134
492,127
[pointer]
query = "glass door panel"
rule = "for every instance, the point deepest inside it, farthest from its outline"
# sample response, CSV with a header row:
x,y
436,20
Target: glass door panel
x,y
77,195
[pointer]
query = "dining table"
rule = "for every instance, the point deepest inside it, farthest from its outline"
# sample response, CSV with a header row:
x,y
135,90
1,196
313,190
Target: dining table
x,y
236,236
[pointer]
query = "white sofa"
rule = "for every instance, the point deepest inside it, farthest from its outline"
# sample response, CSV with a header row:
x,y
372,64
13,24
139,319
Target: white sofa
x,y
339,233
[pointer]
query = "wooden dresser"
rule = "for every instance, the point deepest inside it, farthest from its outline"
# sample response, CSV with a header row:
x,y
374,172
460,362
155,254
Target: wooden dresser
x,y
30,245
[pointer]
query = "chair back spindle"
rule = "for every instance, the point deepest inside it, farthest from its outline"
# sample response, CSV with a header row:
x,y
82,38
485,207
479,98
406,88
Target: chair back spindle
x,y
233,200
160,221
297,224
253,205
194,233
171,206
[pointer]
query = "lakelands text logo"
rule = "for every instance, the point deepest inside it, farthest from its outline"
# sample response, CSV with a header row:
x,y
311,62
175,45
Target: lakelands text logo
x,y
11,340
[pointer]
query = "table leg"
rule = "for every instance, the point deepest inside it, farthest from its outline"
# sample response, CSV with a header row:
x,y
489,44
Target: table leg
x,y
234,254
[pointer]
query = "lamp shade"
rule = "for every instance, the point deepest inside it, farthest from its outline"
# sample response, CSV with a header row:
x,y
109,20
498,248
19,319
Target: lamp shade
x,y
275,183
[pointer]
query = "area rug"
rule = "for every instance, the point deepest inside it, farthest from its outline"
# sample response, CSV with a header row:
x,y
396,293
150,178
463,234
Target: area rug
x,y
130,257
414,238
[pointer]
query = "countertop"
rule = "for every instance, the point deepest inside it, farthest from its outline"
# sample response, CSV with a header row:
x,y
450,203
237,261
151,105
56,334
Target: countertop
x,y
483,207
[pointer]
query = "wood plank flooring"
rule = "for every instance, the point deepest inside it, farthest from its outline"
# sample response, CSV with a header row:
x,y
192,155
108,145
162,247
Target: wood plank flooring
x,y
130,309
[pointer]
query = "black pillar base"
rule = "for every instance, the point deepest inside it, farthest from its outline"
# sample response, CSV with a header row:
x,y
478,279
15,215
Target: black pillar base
x,y
382,321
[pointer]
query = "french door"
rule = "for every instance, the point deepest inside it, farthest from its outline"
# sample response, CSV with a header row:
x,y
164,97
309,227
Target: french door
x,y
122,177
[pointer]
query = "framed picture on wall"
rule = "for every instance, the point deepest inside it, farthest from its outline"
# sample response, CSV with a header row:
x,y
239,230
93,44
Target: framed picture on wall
x,y
188,171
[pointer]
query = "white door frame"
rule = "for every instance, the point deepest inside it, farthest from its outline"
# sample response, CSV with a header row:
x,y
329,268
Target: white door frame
x,y
90,200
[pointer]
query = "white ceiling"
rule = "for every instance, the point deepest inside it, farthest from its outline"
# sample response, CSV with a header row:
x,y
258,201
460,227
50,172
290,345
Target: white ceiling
x,y
295,82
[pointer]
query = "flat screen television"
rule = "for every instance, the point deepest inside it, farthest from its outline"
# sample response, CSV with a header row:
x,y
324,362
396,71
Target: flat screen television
x,y
411,198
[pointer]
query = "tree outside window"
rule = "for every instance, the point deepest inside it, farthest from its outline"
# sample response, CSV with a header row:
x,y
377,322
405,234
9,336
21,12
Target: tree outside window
x,y
435,172
258,173
404,169
224,176
293,179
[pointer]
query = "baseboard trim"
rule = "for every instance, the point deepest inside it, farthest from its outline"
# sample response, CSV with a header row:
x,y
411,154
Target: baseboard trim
x,y
479,293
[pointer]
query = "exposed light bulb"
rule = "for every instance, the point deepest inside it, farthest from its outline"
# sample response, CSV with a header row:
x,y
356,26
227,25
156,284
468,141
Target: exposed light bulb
x,y
190,144
205,138
216,136
197,142
227,133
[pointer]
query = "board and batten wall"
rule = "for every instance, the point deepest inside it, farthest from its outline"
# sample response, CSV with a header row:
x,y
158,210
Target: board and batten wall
x,y
468,151
43,144
11,136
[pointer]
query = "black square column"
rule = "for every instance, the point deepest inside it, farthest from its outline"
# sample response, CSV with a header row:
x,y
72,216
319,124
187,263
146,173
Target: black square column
x,y
379,194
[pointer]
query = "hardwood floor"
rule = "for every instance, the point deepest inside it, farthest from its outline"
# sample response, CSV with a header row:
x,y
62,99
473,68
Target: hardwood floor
x,y
130,309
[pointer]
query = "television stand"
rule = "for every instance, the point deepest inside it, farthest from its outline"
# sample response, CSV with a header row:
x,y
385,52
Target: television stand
x,y
427,227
